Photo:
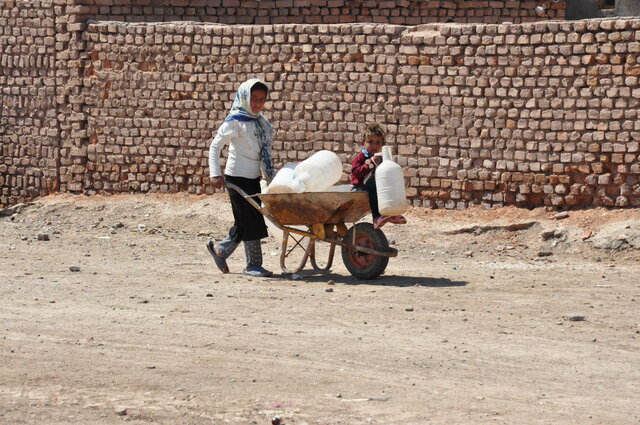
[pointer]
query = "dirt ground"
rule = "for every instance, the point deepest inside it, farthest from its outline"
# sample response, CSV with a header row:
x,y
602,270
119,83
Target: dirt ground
x,y
507,316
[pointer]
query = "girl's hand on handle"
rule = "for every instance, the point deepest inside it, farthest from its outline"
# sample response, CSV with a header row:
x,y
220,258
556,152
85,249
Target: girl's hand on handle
x,y
217,182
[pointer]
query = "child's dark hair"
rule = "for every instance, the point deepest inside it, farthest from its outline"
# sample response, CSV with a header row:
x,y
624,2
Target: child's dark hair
x,y
373,129
259,87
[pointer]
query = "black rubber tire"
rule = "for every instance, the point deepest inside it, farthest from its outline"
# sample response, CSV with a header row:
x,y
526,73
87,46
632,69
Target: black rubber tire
x,y
359,264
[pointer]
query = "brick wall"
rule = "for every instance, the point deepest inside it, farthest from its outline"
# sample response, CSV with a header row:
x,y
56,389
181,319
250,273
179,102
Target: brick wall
x,y
542,113
263,12
29,135
533,114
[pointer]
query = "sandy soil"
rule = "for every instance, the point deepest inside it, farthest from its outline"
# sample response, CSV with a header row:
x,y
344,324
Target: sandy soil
x,y
476,321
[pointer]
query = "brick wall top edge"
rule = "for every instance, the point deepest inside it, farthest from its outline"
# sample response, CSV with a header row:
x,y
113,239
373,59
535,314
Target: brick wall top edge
x,y
205,27
92,22
602,23
591,25
444,29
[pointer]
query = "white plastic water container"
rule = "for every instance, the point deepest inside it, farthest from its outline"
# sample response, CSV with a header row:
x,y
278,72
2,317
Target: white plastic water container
x,y
319,172
340,188
390,185
285,181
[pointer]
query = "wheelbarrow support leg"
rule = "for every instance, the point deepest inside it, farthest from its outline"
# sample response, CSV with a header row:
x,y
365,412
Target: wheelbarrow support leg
x,y
327,233
284,253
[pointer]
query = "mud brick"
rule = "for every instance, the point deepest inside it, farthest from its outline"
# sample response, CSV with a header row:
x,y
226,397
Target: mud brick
x,y
617,158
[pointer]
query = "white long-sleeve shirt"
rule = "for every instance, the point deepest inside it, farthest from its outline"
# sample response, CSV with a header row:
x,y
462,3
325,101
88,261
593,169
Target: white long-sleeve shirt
x,y
244,158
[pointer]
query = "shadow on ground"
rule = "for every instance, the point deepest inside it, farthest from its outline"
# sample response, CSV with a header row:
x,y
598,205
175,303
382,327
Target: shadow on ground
x,y
384,280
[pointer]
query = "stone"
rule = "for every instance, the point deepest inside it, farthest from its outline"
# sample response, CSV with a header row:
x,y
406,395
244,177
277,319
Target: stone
x,y
561,215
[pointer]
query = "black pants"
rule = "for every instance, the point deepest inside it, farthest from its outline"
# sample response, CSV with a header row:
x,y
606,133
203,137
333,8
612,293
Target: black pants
x,y
248,222
370,188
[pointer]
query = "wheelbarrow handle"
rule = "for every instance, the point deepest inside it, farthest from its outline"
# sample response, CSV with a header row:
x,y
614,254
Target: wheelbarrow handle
x,y
263,210
244,194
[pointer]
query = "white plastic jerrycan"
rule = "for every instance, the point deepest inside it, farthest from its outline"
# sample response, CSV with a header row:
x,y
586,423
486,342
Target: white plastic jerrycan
x,y
390,185
285,182
319,172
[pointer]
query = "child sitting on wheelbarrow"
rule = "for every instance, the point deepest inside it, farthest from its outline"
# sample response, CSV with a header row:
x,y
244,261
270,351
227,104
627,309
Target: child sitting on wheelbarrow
x,y
363,169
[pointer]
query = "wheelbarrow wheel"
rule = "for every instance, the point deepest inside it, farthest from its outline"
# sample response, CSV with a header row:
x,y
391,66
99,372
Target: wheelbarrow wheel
x,y
360,264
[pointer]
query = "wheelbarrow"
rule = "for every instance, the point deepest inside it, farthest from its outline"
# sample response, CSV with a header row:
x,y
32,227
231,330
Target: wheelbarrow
x,y
365,250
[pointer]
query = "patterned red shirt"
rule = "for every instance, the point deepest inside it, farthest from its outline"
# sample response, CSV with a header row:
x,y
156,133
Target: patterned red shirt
x,y
362,168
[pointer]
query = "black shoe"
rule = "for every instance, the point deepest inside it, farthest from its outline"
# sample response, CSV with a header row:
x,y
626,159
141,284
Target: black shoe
x,y
220,262
257,272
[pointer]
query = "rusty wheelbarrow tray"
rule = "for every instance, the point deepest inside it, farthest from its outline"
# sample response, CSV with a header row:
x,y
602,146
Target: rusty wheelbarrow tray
x,y
365,250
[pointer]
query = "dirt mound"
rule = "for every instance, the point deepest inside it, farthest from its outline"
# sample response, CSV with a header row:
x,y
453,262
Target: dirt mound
x,y
521,232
